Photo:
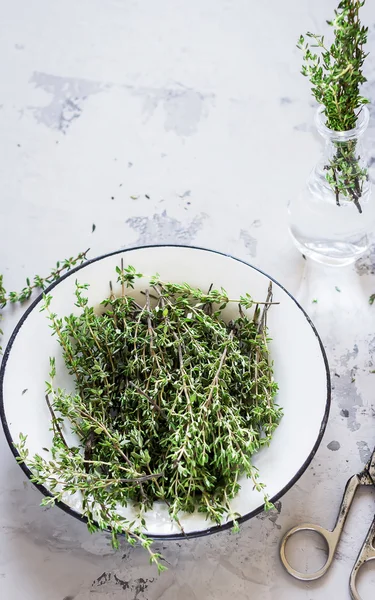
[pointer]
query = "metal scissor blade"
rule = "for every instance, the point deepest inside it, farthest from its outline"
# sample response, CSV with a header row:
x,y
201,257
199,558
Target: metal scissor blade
x,y
367,476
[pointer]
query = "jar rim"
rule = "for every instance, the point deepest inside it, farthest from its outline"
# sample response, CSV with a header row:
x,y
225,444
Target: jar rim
x,y
361,125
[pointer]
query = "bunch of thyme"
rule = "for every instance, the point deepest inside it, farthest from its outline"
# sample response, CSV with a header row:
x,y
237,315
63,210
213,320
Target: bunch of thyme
x,y
38,282
335,73
170,404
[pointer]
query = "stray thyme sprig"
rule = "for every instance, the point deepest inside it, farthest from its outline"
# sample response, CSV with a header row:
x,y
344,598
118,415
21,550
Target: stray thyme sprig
x,y
335,72
170,404
38,282
2,303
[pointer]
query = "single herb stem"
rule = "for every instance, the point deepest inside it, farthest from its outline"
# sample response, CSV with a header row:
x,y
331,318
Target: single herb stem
x,y
38,283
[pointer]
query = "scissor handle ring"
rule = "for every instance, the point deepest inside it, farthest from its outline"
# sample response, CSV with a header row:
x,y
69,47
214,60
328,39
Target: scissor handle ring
x,y
353,579
366,554
324,533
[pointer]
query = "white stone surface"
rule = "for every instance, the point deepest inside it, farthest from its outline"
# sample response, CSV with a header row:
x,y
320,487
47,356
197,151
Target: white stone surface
x,y
200,106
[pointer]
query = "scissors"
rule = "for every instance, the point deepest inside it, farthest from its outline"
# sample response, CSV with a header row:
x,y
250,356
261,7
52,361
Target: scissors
x,y
332,537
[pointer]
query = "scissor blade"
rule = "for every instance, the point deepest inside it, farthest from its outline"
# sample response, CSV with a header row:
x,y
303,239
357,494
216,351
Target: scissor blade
x,y
367,476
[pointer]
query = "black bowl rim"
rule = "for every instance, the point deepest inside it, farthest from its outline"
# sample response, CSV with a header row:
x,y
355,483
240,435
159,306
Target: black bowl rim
x,y
175,536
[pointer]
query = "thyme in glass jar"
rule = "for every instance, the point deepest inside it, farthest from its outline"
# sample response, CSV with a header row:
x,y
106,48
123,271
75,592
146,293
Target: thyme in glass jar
x,y
171,402
335,72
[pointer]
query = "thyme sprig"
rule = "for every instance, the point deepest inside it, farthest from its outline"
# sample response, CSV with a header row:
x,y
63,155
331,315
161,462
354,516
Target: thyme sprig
x,y
335,72
170,404
38,282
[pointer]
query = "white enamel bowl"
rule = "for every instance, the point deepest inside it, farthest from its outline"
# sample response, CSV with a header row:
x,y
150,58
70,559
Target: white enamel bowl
x,y
301,371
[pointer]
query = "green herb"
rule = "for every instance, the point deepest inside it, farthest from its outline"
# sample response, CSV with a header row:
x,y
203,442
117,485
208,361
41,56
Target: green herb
x,y
171,402
371,300
315,301
335,72
337,288
38,282
3,301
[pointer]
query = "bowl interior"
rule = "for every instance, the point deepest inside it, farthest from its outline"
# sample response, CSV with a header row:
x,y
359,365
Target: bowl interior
x,y
299,362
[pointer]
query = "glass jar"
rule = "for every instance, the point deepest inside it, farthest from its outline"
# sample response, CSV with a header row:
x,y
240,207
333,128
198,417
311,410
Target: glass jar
x,y
332,220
